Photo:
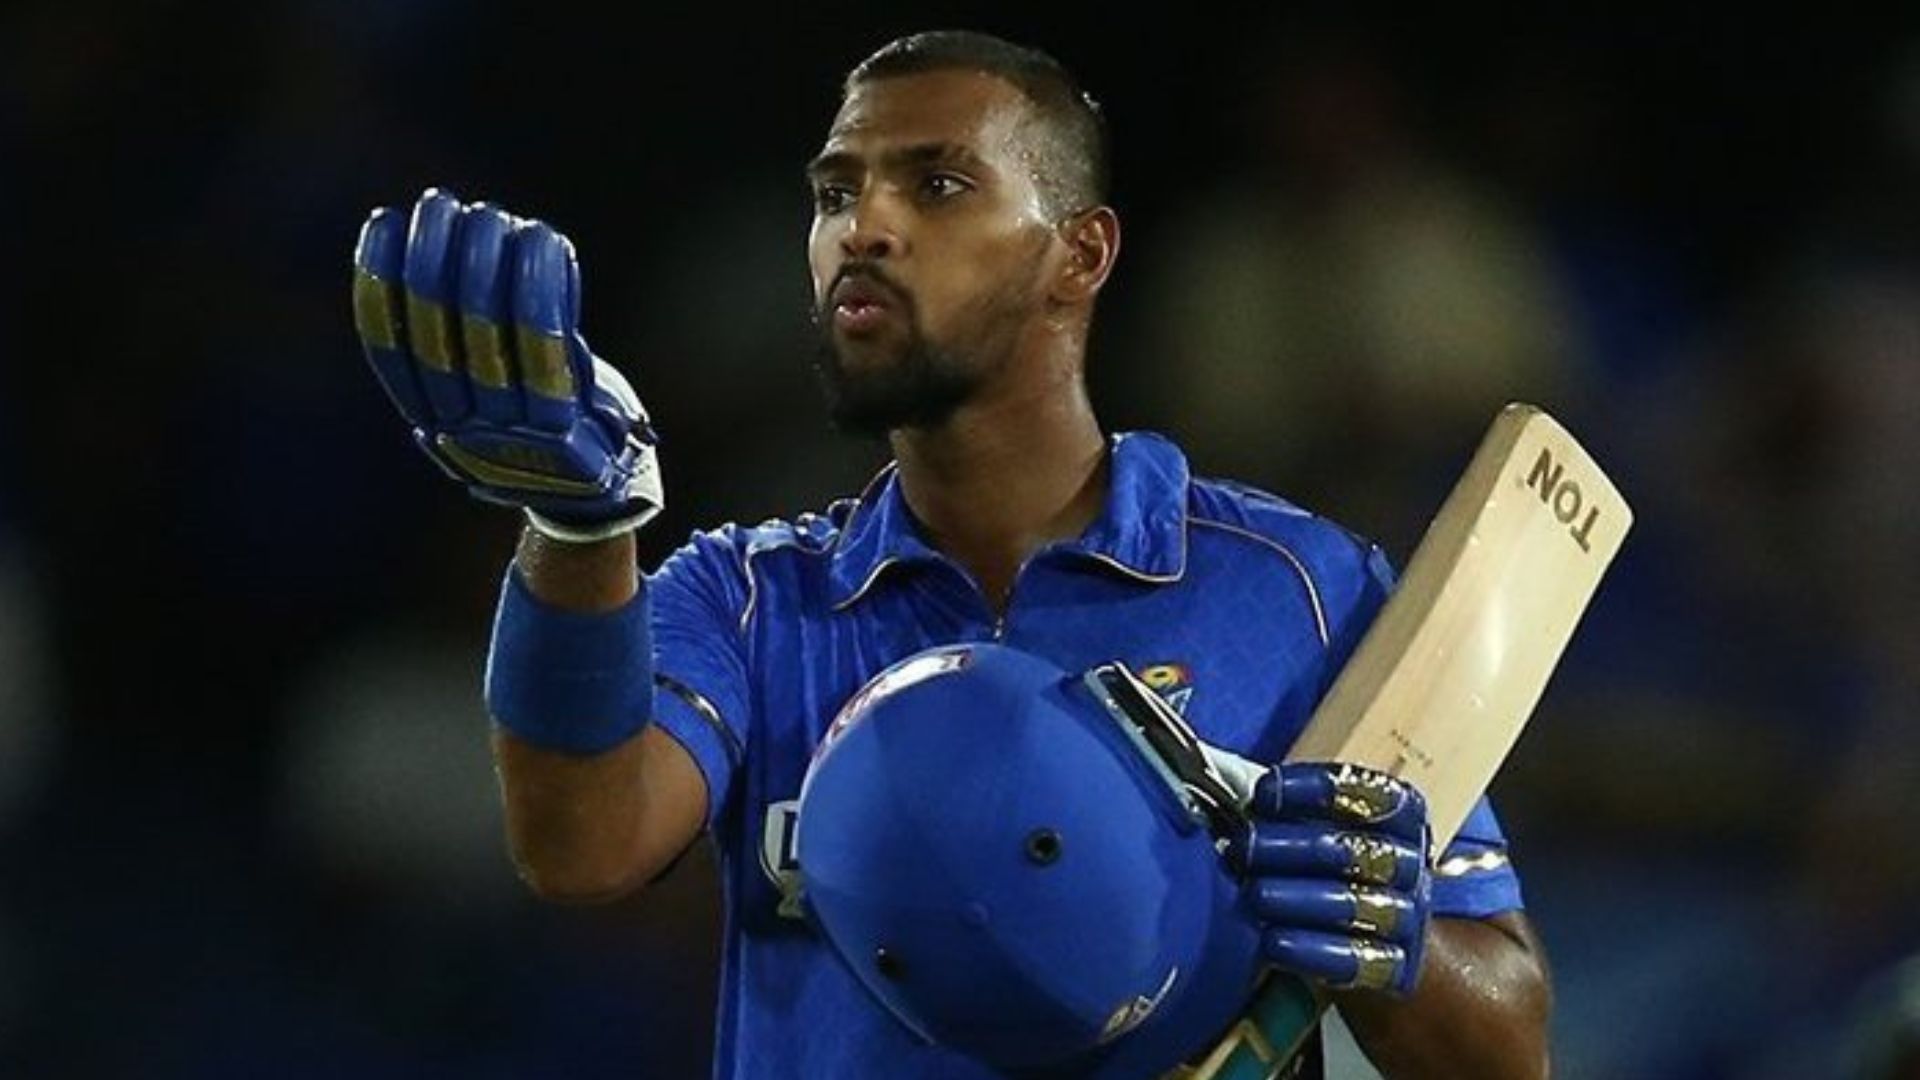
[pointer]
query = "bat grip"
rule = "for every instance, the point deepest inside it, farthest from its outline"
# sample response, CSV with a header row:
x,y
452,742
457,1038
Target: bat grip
x,y
1240,774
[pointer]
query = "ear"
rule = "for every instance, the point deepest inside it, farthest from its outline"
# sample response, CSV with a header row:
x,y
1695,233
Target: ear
x,y
1092,238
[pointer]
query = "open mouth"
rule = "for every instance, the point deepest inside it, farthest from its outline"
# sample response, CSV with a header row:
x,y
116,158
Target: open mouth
x,y
861,305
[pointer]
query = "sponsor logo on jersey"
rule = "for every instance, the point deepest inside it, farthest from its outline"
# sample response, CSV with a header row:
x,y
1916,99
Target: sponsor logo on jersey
x,y
777,858
1173,682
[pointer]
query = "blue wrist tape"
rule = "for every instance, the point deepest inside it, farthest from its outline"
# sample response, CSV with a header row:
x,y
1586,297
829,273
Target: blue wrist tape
x,y
568,681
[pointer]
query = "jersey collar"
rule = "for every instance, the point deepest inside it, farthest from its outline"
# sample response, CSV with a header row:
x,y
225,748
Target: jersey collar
x,y
1141,531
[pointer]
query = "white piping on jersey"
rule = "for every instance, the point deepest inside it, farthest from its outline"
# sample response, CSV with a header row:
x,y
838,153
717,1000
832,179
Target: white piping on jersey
x,y
1141,575
753,583
1188,519
1180,565
1300,568
872,576
846,529
1461,865
705,709
1107,560
753,587
746,557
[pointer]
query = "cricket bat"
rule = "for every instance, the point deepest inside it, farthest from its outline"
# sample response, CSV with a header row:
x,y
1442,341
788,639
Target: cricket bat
x,y
1449,673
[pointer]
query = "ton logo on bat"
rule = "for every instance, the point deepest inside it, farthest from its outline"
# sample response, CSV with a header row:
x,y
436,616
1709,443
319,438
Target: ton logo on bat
x,y
1563,496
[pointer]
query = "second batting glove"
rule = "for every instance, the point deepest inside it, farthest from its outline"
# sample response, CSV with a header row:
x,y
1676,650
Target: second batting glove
x,y
1336,871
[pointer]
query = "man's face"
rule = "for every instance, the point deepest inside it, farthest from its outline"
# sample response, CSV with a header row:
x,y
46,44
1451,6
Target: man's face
x,y
927,245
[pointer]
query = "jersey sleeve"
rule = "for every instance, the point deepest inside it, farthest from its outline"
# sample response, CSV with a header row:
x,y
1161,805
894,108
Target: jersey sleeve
x,y
701,693
1474,877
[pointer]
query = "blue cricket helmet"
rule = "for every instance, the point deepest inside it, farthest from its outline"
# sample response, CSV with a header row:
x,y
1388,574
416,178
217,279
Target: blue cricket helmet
x,y
1017,876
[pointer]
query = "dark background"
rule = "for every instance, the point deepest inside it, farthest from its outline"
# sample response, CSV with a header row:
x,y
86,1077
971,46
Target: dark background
x,y
248,818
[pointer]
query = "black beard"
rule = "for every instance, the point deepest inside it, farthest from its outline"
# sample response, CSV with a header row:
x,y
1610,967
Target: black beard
x,y
921,388
926,384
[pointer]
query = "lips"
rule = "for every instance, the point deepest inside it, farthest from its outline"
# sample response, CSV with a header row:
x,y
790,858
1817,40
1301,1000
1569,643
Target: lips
x,y
860,292
862,303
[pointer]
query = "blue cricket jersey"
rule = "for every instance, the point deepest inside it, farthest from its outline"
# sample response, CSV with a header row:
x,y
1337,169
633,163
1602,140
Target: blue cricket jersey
x,y
1235,605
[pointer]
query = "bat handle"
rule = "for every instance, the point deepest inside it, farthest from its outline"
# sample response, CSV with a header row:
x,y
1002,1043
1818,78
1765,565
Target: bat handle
x,y
1239,773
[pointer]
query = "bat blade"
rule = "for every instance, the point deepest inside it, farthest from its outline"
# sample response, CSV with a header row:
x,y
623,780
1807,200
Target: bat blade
x,y
1439,689
1447,676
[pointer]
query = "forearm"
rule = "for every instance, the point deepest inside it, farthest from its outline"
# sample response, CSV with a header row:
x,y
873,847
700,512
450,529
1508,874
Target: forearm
x,y
584,827
1480,1008
594,794
573,821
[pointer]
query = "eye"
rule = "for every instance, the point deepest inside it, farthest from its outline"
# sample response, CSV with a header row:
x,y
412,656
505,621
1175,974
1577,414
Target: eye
x,y
943,185
831,199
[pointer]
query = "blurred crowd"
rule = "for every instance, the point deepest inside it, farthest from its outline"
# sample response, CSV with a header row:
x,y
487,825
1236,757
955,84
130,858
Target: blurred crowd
x,y
245,795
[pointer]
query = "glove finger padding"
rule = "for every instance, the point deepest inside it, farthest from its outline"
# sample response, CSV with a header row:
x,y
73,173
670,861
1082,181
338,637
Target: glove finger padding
x,y
1341,962
1312,850
1343,794
486,314
433,324
1341,907
379,305
554,362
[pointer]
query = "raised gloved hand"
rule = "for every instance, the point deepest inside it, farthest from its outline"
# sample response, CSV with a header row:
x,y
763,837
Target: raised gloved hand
x,y
471,319
1336,870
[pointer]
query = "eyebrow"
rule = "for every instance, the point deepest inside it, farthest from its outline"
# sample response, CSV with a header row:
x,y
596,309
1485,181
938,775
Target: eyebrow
x,y
918,154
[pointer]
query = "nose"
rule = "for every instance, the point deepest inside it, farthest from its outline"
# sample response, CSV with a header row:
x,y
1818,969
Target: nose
x,y
870,234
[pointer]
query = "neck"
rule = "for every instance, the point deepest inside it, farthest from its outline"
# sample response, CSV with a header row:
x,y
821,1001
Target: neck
x,y
1005,476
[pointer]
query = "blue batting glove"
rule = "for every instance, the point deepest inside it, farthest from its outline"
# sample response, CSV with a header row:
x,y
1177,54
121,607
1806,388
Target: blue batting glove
x,y
1336,871
470,318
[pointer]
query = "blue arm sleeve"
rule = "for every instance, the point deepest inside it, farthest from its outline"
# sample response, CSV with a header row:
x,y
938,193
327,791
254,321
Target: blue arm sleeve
x,y
1474,877
701,698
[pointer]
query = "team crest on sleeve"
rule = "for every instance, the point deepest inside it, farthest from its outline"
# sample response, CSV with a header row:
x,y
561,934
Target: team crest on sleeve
x,y
1173,682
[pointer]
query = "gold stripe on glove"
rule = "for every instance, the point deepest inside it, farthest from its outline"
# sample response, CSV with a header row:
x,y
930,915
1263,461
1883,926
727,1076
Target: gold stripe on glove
x,y
1374,912
543,363
1376,966
373,311
1363,796
486,343
430,331
508,476
1370,859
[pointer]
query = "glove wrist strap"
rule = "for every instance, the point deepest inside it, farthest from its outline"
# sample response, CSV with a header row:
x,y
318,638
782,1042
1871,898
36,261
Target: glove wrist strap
x,y
595,532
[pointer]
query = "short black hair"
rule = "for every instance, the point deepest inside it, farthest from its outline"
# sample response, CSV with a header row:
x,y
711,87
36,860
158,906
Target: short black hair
x,y
1075,166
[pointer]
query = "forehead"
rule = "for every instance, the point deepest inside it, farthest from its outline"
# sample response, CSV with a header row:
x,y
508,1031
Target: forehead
x,y
970,109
